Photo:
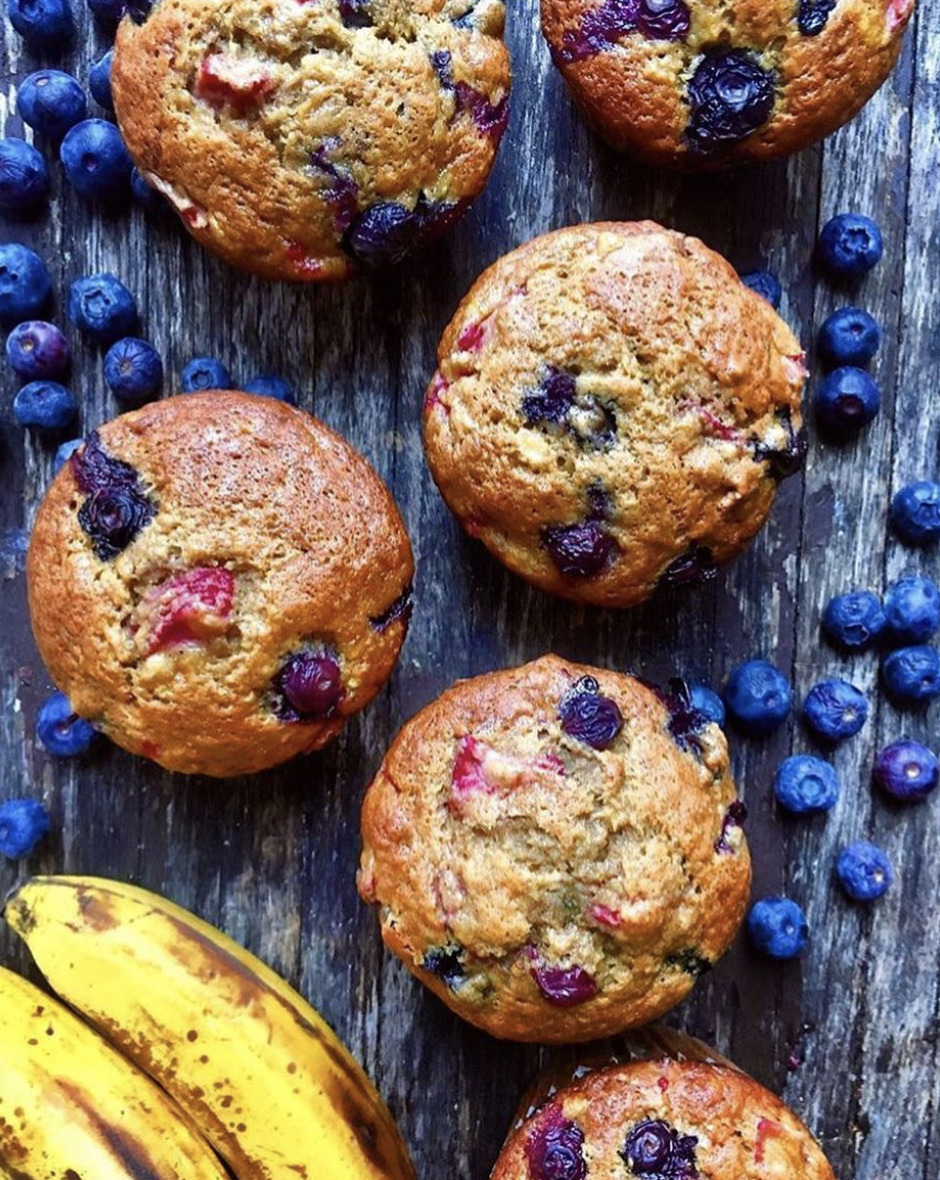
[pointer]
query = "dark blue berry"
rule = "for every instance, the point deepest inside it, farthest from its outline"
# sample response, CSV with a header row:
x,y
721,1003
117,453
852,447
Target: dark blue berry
x,y
24,179
730,96
915,513
655,1149
864,871
777,927
734,817
552,400
907,771
813,15
60,729
846,400
787,460
692,568
110,12
309,686
45,24
51,102
269,385
601,28
23,823
579,550
112,517
96,161
707,703
95,469
25,286
912,674
850,245
849,336
355,14
205,372
99,81
64,452
555,1150
691,961
663,20
446,962
804,784
145,194
133,369
388,231
37,350
766,285
855,620
565,987
835,710
102,307
590,717
44,405
758,696
400,609
912,609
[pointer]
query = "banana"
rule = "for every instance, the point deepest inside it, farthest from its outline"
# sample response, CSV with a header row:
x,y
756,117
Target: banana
x,y
70,1107
264,1078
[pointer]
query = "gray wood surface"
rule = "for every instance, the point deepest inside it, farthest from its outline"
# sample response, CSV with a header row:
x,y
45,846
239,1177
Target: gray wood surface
x,y
850,1034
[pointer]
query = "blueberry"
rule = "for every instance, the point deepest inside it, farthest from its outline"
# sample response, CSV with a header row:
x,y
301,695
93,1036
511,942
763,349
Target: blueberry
x,y
601,28
387,232
51,102
446,962
691,961
111,518
102,307
554,1151
854,620
401,608
912,674
655,1149
24,179
36,349
589,716
758,696
269,385
60,729
835,710
912,609
708,703
96,470
787,460
133,369
310,685
25,286
579,550
110,12
205,372
99,81
730,96
552,400
734,817
804,784
766,285
96,160
907,771
355,14
849,336
565,987
44,405
777,927
23,823
692,568
46,24
145,194
850,245
915,513
64,452
846,400
813,15
663,20
864,871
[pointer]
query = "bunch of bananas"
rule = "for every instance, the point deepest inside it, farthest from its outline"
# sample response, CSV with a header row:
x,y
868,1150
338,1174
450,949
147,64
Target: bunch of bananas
x,y
241,1062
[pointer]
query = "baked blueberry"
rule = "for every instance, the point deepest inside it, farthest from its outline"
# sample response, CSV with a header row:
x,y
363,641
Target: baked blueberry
x,y
707,703
205,372
44,24
846,400
565,986
44,405
734,817
663,20
835,710
401,608
61,730
102,307
915,512
64,452
849,336
552,400
355,14
96,161
37,350
23,824
864,871
24,179
907,771
766,285
730,96
388,231
655,1149
309,685
112,517
51,102
804,784
854,620
446,962
850,244
912,609
911,675
99,81
270,385
133,370
777,927
787,460
579,550
25,286
692,568
589,716
813,16
758,697
555,1150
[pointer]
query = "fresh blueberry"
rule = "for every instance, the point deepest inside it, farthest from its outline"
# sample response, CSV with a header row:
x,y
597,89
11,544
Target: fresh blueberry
x,y
915,513
25,286
850,245
579,550
64,452
111,518
270,385
730,95
864,871
99,81
804,784
133,369
777,927
111,12
205,372
24,178
907,771
310,686
912,609
51,102
846,400
912,674
60,729
36,349
854,620
835,710
849,336
589,716
44,405
96,161
708,703
554,1151
23,823
45,24
102,307
813,16
663,20
758,696
766,285
446,962
565,986
654,1149
145,194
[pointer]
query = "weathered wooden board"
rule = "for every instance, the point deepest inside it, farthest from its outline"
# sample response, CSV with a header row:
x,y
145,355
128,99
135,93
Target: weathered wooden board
x,y
850,1034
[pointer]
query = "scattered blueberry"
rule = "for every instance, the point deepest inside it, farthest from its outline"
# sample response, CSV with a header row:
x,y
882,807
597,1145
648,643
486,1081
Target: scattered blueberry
x,y
835,710
102,307
446,962
133,369
854,620
25,286
44,405
554,1151
708,703
205,372
269,385
45,24
813,16
565,986
864,871
51,102
912,609
777,927
730,95
96,160
145,194
850,245
804,784
589,716
915,513
36,349
912,674
60,729
765,284
907,771
64,452
655,1149
23,823
758,696
579,550
846,400
99,81
310,684
24,179
849,336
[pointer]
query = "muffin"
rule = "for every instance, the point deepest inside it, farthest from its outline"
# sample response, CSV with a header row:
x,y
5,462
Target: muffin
x,y
612,411
683,82
556,850
218,581
300,140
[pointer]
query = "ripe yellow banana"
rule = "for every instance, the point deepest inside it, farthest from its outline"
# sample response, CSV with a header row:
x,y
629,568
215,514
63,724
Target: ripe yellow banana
x,y
70,1107
257,1069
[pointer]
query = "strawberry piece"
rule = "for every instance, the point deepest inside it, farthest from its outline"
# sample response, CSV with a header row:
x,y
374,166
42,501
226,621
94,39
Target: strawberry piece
x,y
240,84
190,607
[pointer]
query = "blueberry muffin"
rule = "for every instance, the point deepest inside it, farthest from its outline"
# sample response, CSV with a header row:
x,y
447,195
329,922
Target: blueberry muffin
x,y
299,139
707,85
556,850
612,411
218,581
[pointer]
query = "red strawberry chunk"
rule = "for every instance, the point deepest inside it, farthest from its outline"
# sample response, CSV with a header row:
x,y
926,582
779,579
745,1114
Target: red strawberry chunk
x,y
238,83
190,607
